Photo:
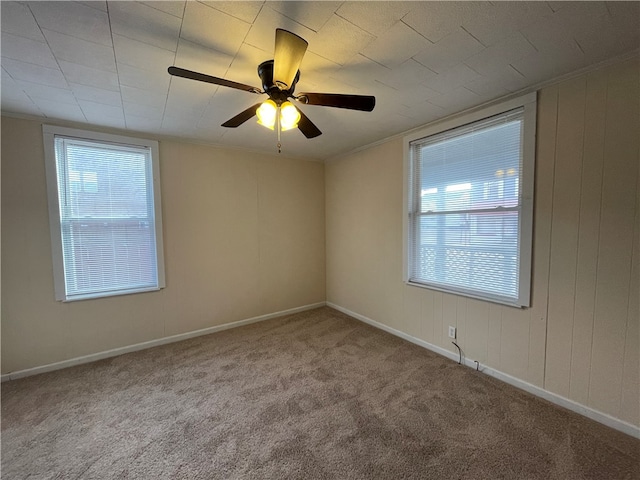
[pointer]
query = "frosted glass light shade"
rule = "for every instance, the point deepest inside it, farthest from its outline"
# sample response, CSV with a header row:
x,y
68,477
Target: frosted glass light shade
x,y
289,116
267,114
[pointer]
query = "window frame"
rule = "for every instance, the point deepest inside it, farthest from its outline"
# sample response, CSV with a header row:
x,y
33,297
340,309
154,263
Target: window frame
x,y
525,229
55,227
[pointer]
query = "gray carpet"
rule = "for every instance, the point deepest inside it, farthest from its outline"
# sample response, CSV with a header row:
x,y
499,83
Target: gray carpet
x,y
315,395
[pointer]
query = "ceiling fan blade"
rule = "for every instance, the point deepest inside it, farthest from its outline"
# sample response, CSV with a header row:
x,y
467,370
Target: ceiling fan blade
x,y
307,127
201,77
289,50
241,117
352,102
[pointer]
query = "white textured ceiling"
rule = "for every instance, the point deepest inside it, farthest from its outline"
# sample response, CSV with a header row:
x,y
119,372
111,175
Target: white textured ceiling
x,y
105,63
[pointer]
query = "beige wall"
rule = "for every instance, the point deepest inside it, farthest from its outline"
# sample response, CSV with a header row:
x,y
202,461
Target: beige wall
x,y
580,337
243,235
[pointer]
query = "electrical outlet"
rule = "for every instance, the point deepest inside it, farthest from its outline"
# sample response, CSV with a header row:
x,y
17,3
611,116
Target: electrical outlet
x,y
452,332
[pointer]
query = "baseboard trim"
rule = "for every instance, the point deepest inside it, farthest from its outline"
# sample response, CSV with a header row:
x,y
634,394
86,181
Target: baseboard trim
x,y
152,343
554,398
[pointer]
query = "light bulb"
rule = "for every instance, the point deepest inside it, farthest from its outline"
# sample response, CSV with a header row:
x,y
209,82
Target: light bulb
x,y
267,114
289,116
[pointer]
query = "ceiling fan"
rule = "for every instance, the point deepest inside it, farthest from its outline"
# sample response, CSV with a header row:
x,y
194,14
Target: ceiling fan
x,y
279,77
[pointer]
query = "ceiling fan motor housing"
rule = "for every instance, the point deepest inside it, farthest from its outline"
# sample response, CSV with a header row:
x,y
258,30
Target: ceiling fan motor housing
x,y
265,72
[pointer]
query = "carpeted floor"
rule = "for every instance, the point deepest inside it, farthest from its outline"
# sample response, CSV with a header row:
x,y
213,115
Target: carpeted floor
x,y
315,395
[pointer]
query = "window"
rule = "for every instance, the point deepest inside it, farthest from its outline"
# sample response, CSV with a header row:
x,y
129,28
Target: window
x,y
104,212
470,204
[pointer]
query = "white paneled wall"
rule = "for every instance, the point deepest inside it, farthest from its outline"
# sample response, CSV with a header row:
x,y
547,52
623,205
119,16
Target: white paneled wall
x,y
580,337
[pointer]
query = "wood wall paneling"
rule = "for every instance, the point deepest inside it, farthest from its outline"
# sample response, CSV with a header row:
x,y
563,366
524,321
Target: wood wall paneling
x,y
494,339
476,330
428,317
588,228
449,318
438,313
616,240
579,338
564,233
514,340
630,401
413,316
461,322
545,160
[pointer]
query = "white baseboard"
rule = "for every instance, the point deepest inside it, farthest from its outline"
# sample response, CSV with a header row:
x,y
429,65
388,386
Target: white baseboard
x,y
554,398
152,343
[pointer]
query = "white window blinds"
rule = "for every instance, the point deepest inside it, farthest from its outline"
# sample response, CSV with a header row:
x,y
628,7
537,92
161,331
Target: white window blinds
x,y
465,208
107,218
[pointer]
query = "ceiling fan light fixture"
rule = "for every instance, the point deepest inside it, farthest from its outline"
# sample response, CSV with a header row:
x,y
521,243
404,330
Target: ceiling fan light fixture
x,y
279,78
267,113
289,116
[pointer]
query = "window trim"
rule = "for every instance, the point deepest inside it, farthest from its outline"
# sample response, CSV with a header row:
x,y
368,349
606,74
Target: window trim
x,y
49,133
528,102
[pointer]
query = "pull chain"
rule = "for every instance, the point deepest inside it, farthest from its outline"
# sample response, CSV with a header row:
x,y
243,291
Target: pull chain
x,y
278,122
